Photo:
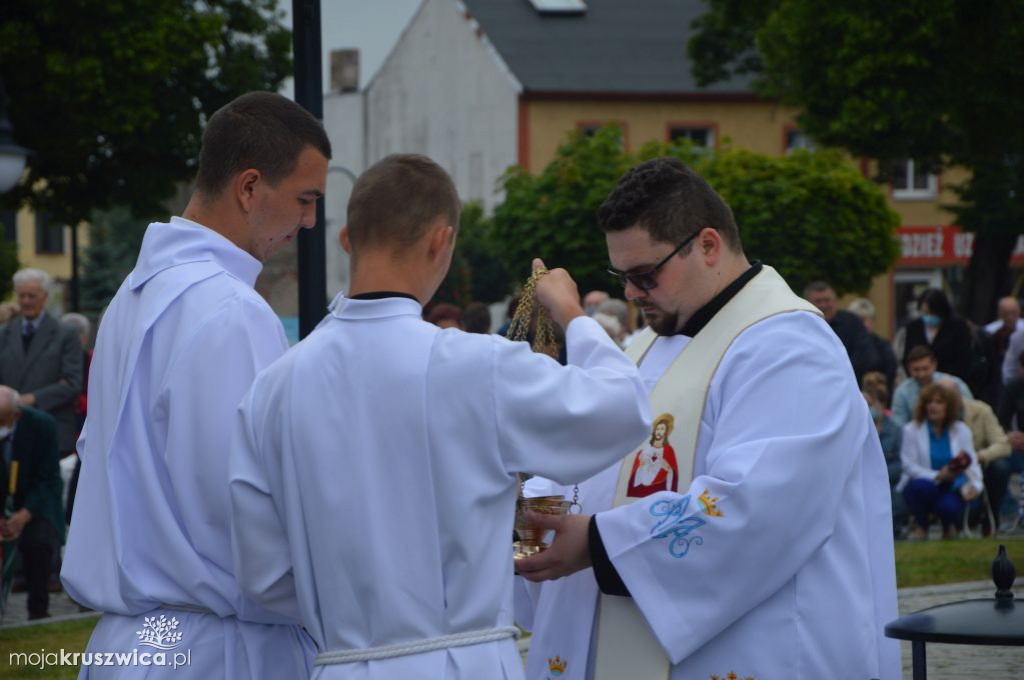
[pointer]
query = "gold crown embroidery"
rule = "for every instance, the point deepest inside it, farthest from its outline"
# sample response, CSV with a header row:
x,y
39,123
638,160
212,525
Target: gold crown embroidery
x,y
557,665
708,503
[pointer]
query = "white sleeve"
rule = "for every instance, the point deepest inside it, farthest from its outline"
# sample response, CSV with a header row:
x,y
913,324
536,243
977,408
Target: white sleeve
x,y
568,423
259,542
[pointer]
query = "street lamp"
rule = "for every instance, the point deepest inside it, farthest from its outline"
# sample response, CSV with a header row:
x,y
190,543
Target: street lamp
x,y
12,156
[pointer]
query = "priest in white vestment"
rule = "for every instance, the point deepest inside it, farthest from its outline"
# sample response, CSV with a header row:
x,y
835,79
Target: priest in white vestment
x,y
772,557
178,347
373,473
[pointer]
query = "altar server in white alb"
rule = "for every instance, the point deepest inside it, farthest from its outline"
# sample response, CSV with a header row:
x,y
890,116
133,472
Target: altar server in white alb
x,y
179,346
373,471
748,535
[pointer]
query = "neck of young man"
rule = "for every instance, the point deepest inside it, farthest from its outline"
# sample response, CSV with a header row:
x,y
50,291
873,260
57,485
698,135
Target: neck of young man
x,y
383,274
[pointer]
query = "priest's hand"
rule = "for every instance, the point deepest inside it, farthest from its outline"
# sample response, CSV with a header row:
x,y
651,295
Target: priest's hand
x,y
569,551
558,293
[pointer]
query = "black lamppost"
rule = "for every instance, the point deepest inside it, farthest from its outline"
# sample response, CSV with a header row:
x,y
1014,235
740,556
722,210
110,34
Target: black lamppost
x,y
309,94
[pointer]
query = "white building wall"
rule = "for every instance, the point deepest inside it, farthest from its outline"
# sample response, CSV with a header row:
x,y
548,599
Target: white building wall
x,y
345,126
443,93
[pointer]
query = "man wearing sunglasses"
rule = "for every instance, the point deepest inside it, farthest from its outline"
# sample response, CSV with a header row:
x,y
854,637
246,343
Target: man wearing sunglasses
x,y
769,554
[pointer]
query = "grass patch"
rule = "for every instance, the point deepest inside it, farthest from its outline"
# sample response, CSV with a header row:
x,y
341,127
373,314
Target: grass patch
x,y
71,636
927,563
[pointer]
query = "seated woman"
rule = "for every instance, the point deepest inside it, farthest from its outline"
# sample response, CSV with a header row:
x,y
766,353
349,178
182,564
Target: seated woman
x,y
940,467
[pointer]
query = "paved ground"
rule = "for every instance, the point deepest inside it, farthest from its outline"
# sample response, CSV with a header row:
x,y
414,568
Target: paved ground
x,y
61,609
945,662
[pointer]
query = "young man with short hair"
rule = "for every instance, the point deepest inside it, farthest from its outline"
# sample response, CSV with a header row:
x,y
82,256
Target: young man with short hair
x,y
373,470
179,345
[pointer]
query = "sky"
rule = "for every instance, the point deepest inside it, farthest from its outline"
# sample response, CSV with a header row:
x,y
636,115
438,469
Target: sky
x,y
371,26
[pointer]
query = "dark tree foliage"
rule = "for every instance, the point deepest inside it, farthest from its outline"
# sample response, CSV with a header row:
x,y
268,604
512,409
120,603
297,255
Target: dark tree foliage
x,y
8,265
553,215
111,95
939,81
115,240
478,272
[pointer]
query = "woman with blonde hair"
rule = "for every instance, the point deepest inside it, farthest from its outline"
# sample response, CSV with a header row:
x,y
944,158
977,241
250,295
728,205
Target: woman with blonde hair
x,y
940,467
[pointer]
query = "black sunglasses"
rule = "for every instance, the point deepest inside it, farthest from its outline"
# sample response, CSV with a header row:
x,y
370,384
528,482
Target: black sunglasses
x,y
647,280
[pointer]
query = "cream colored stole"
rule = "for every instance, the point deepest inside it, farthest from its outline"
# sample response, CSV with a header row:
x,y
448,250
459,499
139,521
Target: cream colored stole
x,y
626,647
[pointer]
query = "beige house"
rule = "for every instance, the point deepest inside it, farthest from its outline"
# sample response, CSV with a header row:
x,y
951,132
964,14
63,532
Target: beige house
x,y
47,245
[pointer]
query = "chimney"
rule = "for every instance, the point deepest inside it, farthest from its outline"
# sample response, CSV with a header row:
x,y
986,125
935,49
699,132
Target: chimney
x,y
344,70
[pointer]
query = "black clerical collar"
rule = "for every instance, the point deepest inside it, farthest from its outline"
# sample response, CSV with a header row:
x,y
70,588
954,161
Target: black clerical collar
x,y
380,295
703,315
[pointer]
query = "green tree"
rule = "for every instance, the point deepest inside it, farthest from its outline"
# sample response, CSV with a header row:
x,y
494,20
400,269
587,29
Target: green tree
x,y
938,81
8,265
110,96
553,215
812,216
115,238
802,213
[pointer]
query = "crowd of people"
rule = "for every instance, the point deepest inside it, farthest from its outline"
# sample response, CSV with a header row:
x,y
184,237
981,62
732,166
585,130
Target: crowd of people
x,y
948,413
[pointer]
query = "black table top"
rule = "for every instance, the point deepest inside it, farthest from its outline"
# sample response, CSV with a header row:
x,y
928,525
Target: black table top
x,y
970,622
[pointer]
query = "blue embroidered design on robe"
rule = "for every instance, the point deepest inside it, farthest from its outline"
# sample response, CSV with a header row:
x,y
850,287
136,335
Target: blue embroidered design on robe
x,y
673,524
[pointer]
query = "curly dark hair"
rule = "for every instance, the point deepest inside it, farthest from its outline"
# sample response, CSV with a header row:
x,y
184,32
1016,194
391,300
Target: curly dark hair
x,y
670,201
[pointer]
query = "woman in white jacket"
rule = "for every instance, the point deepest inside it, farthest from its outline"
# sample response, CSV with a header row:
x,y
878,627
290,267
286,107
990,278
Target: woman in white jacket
x,y
940,467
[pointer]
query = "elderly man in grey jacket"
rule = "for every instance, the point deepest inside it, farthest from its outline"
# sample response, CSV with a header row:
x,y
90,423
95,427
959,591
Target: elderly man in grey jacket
x,y
41,358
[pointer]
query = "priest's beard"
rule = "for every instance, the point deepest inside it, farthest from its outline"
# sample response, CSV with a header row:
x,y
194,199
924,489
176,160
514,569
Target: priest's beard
x,y
662,322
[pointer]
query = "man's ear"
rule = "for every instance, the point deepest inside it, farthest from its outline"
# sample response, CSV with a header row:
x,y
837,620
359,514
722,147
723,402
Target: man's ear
x,y
343,239
442,236
709,244
245,187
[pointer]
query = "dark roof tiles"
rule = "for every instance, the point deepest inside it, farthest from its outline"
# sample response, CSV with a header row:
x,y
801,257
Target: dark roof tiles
x,y
616,46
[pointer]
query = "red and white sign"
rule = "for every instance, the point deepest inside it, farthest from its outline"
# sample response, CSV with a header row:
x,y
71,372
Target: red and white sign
x,y
941,245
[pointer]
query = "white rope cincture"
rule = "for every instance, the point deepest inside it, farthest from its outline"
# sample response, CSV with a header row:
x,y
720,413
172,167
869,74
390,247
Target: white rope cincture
x,y
192,608
473,637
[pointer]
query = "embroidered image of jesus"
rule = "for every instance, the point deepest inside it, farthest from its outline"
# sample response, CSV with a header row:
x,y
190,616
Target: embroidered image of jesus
x,y
654,468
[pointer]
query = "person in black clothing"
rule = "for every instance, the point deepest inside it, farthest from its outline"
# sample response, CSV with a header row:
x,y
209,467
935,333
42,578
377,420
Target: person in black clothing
x,y
947,335
885,357
849,328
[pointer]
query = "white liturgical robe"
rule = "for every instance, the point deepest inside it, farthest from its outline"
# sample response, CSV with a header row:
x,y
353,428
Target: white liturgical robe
x,y
373,477
777,560
178,347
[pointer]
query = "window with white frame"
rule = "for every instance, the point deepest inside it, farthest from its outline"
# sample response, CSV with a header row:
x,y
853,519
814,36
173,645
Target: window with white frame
x,y
911,182
700,137
798,139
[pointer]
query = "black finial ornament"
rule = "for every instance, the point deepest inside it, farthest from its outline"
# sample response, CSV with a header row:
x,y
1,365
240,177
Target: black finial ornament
x,y
1003,575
